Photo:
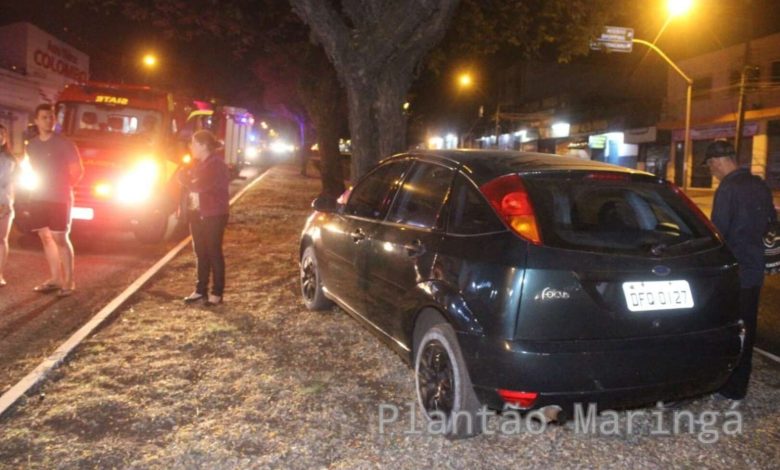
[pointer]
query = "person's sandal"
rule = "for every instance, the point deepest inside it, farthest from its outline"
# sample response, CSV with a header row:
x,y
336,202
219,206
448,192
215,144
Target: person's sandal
x,y
65,292
213,300
192,298
47,287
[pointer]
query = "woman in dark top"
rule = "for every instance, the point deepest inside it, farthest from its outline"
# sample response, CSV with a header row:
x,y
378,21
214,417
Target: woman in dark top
x,y
7,172
207,183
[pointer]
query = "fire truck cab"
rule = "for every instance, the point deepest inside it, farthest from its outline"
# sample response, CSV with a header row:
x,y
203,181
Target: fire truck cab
x,y
128,140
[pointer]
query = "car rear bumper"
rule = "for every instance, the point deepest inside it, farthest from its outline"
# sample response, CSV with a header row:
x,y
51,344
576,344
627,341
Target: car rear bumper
x,y
609,373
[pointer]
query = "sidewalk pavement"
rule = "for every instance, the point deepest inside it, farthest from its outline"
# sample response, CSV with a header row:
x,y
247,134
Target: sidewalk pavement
x,y
260,382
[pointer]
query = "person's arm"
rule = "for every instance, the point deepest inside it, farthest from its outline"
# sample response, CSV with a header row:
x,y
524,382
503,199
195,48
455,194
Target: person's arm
x,y
771,203
723,212
205,178
6,179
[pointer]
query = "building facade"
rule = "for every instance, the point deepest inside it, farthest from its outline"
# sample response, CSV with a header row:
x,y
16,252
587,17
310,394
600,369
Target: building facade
x,y
602,108
717,83
34,67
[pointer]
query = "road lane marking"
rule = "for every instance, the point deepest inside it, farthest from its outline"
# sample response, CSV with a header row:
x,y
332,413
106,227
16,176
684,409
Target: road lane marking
x,y
61,353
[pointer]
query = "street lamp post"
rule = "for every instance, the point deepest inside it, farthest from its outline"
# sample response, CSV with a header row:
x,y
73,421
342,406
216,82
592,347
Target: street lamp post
x,y
688,152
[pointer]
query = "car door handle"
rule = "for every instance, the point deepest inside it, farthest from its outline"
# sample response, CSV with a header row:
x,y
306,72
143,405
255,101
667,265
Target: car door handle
x,y
358,235
416,248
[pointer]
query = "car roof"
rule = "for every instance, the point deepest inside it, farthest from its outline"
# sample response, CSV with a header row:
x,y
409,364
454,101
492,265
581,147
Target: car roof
x,y
485,165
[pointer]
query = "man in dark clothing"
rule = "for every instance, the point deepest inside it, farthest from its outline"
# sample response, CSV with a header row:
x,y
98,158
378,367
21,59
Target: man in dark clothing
x,y
57,163
742,210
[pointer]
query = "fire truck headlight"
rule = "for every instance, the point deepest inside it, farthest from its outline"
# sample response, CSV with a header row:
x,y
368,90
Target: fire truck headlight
x,y
103,189
138,186
280,147
28,178
251,152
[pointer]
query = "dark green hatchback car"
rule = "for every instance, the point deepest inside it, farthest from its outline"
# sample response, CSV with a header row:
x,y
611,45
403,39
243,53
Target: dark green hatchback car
x,y
529,280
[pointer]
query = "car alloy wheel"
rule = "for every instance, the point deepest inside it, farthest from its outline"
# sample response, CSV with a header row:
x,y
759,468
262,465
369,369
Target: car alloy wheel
x,y
444,389
435,379
311,284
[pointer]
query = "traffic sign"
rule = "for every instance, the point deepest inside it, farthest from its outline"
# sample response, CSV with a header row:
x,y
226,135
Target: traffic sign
x,y
614,39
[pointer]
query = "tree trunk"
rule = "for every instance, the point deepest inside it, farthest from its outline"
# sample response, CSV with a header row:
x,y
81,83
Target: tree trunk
x,y
364,129
393,86
374,46
328,133
324,99
376,118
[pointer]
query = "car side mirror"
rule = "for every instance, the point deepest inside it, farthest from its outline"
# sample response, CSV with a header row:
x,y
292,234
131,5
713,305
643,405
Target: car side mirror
x,y
325,204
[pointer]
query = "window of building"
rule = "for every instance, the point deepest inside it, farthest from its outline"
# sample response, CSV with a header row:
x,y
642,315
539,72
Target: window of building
x,y
775,77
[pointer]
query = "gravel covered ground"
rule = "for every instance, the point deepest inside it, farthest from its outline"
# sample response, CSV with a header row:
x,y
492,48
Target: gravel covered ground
x,y
260,382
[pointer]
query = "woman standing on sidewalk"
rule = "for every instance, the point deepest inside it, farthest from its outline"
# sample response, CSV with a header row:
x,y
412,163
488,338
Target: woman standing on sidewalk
x,y
7,172
208,185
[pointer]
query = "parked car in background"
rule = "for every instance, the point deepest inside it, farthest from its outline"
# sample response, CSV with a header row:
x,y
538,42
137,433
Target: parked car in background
x,y
530,280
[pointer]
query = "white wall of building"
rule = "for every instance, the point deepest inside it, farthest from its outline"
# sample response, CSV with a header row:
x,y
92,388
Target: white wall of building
x,y
723,68
34,67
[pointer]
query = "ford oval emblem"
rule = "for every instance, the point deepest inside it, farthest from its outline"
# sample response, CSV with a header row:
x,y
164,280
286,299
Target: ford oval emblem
x,y
661,270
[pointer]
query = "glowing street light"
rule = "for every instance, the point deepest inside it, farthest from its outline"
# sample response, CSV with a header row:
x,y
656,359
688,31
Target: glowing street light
x,y
465,80
678,7
149,60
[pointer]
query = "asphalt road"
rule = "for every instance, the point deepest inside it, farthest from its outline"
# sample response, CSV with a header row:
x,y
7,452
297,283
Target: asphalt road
x,y
33,325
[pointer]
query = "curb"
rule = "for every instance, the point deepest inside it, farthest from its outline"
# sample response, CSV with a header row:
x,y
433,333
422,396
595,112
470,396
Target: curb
x,y
9,398
767,354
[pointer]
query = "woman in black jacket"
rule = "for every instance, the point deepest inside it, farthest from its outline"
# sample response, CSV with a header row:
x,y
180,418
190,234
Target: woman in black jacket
x,y
207,183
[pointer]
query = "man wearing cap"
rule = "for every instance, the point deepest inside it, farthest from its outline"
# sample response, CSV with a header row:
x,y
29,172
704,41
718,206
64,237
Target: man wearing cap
x,y
741,211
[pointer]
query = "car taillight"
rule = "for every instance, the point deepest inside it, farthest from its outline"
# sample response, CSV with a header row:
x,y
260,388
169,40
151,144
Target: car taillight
x,y
508,196
695,209
521,399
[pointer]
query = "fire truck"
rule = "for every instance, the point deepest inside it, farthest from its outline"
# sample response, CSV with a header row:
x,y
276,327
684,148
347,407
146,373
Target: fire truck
x,y
131,149
230,124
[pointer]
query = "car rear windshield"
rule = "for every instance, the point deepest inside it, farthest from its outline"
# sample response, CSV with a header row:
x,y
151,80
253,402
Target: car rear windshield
x,y
613,212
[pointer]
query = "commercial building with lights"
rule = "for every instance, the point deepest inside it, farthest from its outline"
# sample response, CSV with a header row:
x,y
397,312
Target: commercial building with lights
x,y
602,108
34,67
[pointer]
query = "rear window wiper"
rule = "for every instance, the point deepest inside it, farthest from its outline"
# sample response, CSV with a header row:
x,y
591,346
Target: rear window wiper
x,y
658,249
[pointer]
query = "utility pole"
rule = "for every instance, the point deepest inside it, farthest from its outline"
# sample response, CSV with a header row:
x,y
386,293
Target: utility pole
x,y
498,125
746,69
740,112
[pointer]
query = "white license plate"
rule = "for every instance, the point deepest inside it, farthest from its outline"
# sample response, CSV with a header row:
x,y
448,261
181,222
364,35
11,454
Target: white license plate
x,y
82,213
657,295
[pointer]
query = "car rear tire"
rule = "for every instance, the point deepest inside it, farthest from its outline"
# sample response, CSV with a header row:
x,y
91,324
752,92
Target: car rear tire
x,y
444,390
311,282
